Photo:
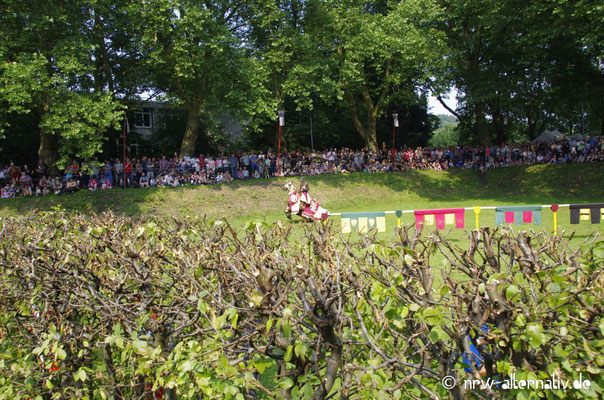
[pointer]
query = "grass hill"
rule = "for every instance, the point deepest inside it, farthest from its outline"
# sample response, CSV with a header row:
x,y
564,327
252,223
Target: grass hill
x,y
446,118
416,189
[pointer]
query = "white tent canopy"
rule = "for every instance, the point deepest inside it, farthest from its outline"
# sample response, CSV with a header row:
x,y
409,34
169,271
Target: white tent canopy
x,y
549,136
578,136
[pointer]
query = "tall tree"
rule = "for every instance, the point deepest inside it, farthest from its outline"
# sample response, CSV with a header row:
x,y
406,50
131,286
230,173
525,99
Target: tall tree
x,y
196,55
534,68
45,69
279,44
373,51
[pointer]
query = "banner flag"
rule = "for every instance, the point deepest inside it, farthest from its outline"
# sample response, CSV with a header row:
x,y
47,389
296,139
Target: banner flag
x,y
429,220
440,217
363,222
586,212
518,215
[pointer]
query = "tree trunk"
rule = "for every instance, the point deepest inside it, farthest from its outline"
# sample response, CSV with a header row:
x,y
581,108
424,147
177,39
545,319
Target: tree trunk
x,y
47,152
367,130
482,127
190,138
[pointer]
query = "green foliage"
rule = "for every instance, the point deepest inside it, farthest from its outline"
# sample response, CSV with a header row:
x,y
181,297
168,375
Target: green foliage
x,y
445,136
108,307
45,71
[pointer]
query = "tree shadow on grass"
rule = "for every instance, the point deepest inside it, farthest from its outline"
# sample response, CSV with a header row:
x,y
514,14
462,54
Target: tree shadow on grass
x,y
541,184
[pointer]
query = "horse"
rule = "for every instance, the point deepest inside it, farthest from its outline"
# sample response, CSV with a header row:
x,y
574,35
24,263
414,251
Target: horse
x,y
303,205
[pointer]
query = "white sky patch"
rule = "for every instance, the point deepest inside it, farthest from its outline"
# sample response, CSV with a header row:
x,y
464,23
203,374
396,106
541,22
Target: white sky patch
x,y
436,108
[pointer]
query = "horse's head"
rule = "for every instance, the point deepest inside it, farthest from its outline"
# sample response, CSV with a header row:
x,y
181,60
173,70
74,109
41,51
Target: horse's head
x,y
290,187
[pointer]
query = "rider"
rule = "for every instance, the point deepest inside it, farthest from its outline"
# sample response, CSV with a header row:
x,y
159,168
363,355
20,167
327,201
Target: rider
x,y
304,196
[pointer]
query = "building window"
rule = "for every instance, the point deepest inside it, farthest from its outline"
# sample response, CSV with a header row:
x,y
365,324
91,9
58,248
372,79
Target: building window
x,y
142,119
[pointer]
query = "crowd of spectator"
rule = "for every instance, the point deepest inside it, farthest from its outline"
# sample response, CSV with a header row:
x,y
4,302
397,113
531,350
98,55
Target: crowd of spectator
x,y
174,171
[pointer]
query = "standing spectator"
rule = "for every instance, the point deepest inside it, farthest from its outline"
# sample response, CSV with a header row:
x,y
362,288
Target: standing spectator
x,y
119,172
138,172
108,174
245,159
211,165
254,163
273,165
13,174
233,166
151,168
202,163
41,169
75,168
163,165
128,171
96,168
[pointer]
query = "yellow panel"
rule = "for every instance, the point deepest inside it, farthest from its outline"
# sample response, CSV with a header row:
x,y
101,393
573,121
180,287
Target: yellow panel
x,y
363,224
449,219
585,214
429,219
381,224
346,225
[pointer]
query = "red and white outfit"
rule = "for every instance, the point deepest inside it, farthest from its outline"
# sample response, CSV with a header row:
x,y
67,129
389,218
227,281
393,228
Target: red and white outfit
x,y
293,203
312,209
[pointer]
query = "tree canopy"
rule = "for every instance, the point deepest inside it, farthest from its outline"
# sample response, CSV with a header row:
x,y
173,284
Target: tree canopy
x,y
72,68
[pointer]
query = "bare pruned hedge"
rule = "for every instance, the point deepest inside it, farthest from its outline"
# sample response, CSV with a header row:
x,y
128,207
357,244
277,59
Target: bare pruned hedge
x,y
110,307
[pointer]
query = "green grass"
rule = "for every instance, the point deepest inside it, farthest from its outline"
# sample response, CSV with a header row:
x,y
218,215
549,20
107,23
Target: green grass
x,y
418,189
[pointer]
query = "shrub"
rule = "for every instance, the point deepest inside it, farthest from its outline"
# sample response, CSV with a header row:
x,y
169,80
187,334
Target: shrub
x,y
110,307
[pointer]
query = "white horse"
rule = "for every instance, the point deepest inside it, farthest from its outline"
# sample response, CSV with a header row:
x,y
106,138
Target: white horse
x,y
303,205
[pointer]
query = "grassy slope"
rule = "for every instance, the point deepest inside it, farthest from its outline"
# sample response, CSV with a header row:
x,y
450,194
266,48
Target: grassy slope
x,y
265,199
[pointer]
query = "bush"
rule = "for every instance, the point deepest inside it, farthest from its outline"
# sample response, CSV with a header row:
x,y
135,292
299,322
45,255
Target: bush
x,y
109,307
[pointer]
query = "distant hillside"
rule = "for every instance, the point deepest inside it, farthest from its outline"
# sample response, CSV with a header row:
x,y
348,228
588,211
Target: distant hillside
x,y
443,118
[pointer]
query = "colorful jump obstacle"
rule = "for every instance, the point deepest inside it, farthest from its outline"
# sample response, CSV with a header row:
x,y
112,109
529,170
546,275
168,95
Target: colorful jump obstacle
x,y
441,218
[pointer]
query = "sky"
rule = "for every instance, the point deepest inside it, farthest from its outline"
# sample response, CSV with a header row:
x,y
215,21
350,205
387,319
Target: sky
x,y
437,108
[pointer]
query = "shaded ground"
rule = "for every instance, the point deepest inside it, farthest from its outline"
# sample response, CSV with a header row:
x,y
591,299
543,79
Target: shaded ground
x,y
416,189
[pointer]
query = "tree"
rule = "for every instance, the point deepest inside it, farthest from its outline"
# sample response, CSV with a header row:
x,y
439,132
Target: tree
x,y
372,52
529,69
279,43
445,136
195,55
45,70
